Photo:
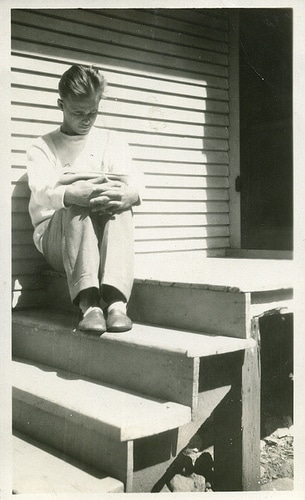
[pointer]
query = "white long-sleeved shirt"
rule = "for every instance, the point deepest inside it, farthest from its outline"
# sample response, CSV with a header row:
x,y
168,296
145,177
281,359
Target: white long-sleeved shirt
x,y
55,154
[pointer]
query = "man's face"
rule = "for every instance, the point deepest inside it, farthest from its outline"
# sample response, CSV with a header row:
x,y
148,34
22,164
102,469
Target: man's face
x,y
79,115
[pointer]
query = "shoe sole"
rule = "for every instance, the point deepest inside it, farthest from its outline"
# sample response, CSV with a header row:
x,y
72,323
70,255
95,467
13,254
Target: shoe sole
x,y
119,329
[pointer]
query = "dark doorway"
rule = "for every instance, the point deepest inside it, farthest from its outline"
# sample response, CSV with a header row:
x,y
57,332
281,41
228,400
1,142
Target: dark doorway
x,y
266,128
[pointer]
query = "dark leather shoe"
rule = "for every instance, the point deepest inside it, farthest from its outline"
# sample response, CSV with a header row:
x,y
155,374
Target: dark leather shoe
x,y
94,321
117,321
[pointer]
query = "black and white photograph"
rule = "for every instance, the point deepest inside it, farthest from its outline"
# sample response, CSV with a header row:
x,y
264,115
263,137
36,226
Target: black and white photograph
x,y
153,250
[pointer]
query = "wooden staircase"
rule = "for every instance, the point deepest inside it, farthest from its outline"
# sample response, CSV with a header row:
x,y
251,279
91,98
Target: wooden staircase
x,y
127,404
124,404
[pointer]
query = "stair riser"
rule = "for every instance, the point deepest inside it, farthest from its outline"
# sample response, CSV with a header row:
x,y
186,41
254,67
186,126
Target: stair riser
x,y
187,308
151,372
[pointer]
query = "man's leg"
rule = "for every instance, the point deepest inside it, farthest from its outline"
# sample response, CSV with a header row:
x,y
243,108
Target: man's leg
x,y
70,245
96,253
117,269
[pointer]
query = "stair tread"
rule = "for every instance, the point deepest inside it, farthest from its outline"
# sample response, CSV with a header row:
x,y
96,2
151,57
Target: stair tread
x,y
40,469
172,340
113,411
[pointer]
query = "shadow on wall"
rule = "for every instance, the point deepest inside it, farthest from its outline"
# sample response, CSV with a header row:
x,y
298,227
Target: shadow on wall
x,y
28,283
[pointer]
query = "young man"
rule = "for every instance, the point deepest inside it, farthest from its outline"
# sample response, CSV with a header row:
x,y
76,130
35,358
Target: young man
x,y
83,187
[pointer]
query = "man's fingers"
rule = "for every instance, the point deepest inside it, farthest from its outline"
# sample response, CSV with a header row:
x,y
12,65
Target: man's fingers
x,y
108,195
99,180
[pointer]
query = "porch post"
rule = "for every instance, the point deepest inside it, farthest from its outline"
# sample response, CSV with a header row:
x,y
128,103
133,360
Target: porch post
x,y
234,132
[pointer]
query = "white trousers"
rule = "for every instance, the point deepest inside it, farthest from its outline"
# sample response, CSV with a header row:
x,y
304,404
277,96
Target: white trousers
x,y
91,249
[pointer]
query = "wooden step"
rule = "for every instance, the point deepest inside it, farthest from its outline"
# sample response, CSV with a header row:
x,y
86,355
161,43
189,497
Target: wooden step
x,y
152,360
97,424
38,469
116,413
192,292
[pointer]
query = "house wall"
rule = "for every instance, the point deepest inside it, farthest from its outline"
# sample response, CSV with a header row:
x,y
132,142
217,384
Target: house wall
x,y
167,72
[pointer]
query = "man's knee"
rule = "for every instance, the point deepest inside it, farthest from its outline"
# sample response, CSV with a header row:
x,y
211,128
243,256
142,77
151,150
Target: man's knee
x,y
75,215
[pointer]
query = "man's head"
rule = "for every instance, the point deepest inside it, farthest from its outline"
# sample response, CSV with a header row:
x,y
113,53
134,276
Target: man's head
x,y
81,89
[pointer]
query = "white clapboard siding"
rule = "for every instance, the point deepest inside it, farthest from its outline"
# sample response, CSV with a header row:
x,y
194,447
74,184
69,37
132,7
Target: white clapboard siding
x,y
167,72
123,110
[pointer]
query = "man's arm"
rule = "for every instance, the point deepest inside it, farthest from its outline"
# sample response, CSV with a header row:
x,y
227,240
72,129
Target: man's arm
x,y
116,197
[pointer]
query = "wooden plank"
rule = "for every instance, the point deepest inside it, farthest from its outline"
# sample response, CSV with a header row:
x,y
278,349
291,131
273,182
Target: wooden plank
x,y
142,338
179,219
143,16
168,114
25,251
161,206
128,25
27,299
113,52
175,168
97,406
197,16
234,149
171,155
31,462
154,246
149,168
244,253
185,194
83,57
220,313
18,172
46,336
108,31
227,427
151,83
32,128
251,400
268,301
212,152
185,181
211,133
21,143
18,158
22,236
38,95
159,180
259,280
20,189
29,266
40,425
20,204
210,252
142,153
36,128
161,233
28,282
237,428
21,221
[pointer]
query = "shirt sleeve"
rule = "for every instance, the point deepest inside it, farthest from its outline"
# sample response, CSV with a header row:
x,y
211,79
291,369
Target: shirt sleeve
x,y
43,177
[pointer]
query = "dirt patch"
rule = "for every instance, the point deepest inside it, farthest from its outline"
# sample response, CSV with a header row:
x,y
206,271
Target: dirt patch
x,y
277,456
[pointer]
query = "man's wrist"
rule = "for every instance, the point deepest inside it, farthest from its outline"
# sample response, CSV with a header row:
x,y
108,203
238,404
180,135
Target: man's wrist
x,y
68,198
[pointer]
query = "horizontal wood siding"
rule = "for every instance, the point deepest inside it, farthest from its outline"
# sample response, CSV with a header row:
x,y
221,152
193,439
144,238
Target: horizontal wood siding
x,y
167,73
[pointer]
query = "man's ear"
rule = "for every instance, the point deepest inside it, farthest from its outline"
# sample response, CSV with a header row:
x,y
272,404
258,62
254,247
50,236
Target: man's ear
x,y
60,104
